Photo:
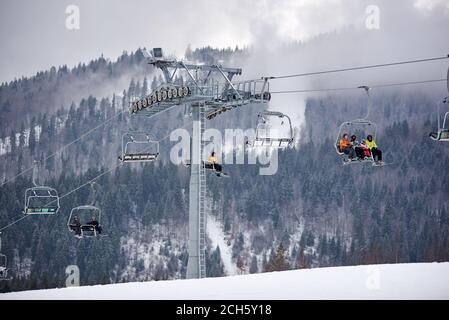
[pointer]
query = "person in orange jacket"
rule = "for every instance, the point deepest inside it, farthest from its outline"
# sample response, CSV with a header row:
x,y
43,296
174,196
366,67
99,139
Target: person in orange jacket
x,y
346,146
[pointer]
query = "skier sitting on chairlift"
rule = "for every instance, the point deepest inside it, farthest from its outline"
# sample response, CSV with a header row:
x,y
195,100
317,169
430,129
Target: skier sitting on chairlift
x,y
366,149
372,145
95,225
76,226
213,163
358,148
345,146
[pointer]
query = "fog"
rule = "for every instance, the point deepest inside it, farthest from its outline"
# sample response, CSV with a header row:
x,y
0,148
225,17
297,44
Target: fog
x,y
284,37
408,30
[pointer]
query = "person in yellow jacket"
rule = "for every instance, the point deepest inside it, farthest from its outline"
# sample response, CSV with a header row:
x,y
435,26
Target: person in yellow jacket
x,y
213,161
376,152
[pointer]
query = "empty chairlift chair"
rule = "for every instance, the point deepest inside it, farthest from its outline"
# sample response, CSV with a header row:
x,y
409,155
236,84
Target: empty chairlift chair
x,y
41,200
138,147
265,138
442,134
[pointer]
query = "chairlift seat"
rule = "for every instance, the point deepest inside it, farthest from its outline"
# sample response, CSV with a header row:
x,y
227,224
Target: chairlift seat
x,y
272,142
139,157
85,214
41,200
441,135
138,140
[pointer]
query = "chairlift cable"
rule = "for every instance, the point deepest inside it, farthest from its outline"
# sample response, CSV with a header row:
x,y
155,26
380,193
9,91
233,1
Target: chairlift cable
x,y
357,88
88,182
14,222
168,135
357,68
64,147
66,194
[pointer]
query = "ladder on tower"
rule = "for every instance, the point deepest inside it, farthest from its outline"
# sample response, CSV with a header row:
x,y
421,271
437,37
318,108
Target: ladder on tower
x,y
202,198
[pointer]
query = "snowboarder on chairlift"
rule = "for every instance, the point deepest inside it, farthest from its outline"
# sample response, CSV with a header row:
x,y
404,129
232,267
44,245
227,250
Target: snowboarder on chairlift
x,y
372,145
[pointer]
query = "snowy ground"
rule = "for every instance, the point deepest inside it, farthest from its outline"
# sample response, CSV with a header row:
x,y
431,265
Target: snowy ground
x,y
395,281
215,233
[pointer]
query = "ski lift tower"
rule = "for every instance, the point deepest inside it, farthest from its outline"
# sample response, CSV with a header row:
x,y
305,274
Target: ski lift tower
x,y
209,91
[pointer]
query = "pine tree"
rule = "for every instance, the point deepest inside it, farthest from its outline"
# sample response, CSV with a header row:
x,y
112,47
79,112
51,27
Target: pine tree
x,y
12,142
144,91
279,262
132,89
253,268
22,138
154,84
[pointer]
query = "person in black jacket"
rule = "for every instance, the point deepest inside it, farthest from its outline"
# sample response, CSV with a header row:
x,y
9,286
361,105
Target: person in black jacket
x,y
75,225
94,223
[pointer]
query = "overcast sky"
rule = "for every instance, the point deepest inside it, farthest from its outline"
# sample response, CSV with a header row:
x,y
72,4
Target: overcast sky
x,y
34,36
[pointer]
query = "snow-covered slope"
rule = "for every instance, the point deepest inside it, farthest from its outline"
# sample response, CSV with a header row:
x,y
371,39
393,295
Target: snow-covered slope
x,y
394,281
215,233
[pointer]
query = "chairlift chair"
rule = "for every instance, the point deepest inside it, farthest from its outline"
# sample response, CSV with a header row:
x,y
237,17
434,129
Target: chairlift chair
x,y
262,129
86,214
442,134
3,268
3,265
132,151
349,127
361,127
41,200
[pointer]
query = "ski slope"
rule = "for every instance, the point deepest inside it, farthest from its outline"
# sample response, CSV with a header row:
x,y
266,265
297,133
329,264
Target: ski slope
x,y
394,281
215,233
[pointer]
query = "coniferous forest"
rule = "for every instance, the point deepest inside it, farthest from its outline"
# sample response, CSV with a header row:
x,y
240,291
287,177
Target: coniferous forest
x,y
314,212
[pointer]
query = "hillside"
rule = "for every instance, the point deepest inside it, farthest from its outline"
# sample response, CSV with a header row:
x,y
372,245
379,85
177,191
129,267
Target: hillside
x,y
322,213
395,281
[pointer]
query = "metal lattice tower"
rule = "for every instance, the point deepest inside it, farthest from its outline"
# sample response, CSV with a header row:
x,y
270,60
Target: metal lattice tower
x,y
207,98
202,193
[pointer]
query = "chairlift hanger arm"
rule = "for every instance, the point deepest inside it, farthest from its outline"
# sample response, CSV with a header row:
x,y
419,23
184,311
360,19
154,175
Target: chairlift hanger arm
x,y
94,193
34,173
446,115
366,88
